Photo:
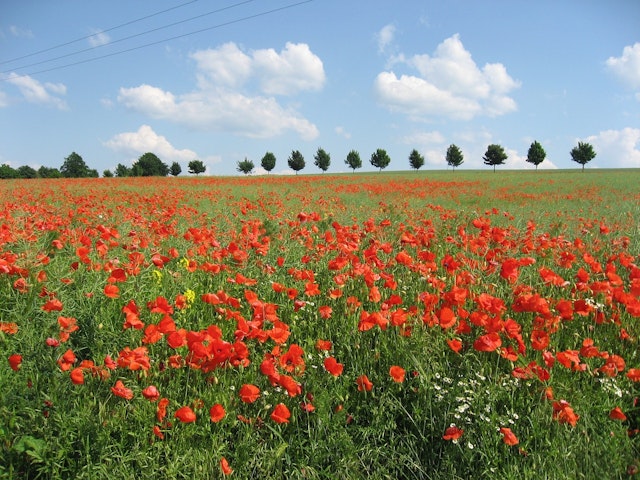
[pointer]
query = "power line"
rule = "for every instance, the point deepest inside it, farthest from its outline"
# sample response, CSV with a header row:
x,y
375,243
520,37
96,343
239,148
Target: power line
x,y
127,38
94,34
224,24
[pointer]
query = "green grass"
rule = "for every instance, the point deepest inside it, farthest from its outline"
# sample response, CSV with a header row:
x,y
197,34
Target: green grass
x,y
291,229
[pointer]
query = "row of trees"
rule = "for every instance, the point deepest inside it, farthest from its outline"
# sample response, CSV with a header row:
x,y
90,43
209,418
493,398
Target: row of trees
x,y
149,165
495,155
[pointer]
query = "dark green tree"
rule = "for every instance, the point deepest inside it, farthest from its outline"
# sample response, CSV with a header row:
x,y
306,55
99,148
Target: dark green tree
x,y
25,171
92,173
454,156
415,159
268,162
245,166
48,172
322,160
494,155
74,167
175,169
380,159
107,174
7,171
583,154
196,167
353,160
296,161
536,154
123,171
149,165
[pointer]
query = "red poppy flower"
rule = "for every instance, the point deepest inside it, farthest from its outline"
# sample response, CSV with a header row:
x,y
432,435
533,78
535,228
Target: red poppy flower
x,y
217,413
224,466
488,342
455,344
397,373
161,411
508,437
563,413
323,345
120,390
281,414
151,393
185,415
452,433
617,414
157,432
15,361
111,291
77,376
363,383
249,393
333,367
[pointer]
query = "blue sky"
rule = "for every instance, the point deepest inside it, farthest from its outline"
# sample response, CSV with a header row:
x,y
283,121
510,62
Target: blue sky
x,y
247,77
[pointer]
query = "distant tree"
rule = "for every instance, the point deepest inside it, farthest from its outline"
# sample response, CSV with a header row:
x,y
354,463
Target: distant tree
x,y
25,171
583,154
415,159
536,154
149,165
122,171
268,162
322,160
93,173
48,172
196,167
175,169
380,159
245,166
107,174
353,160
454,156
7,171
296,161
74,167
494,155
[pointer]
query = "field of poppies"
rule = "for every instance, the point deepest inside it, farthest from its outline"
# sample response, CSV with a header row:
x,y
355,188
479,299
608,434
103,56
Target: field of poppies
x,y
433,325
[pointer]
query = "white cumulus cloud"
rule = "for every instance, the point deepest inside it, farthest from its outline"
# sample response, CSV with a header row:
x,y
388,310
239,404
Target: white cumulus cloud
x,y
617,148
39,93
146,140
627,66
98,38
385,37
447,84
224,100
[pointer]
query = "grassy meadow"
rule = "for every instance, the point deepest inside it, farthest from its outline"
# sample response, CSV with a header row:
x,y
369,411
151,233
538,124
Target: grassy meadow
x,y
412,325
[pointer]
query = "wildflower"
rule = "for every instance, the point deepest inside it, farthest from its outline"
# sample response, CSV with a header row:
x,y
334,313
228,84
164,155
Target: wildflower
x,y
151,393
249,393
333,367
397,373
563,413
120,390
364,383
617,414
111,291
15,361
217,413
508,437
281,414
77,376
185,415
323,345
161,411
224,466
452,433
488,342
